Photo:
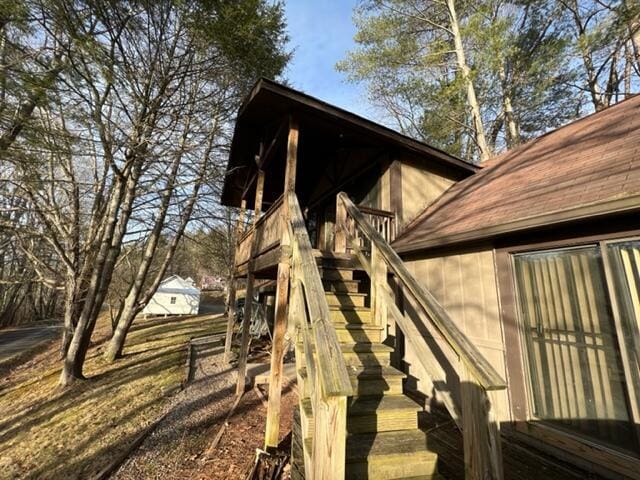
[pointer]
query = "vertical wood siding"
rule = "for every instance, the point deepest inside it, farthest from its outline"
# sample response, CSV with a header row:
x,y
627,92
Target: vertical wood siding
x,y
465,285
420,188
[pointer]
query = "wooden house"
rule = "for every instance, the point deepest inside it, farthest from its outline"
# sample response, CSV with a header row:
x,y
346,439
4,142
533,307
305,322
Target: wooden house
x,y
413,283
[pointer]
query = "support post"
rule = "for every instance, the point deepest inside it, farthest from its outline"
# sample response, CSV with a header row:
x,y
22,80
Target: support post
x,y
259,193
329,438
340,238
277,353
282,296
292,158
378,280
244,343
231,299
480,431
248,300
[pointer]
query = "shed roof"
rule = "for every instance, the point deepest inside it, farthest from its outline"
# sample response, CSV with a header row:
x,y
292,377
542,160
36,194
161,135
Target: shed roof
x,y
177,284
585,169
321,126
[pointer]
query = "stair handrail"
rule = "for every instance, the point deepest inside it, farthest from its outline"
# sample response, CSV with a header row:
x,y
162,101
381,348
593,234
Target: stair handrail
x,y
334,377
327,375
481,436
484,372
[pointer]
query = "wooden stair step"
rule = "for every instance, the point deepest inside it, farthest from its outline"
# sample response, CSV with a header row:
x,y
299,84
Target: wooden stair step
x,y
361,353
373,414
340,299
375,380
370,354
370,380
343,286
355,315
381,414
336,273
362,406
340,260
358,332
390,455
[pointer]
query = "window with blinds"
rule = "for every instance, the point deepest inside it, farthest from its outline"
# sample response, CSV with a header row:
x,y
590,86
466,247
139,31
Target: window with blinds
x,y
579,310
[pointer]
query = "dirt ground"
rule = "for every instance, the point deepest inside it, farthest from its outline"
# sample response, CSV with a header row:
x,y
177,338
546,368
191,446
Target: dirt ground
x,y
176,448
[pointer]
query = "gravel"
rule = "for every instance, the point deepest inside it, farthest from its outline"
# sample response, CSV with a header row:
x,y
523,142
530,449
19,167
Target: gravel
x,y
175,449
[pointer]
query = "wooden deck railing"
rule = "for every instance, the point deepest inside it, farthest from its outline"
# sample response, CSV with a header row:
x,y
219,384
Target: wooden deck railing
x,y
267,232
382,221
327,383
482,448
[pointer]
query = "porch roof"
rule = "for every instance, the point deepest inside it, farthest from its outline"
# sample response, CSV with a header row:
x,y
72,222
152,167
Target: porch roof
x,y
324,128
587,169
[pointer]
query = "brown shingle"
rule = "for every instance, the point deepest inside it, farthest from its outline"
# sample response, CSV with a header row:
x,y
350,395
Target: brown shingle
x,y
590,162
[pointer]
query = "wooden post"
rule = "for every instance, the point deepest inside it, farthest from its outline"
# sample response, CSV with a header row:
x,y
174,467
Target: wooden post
x,y
329,438
248,300
259,192
378,280
480,431
277,353
231,312
282,297
292,159
340,239
231,300
244,343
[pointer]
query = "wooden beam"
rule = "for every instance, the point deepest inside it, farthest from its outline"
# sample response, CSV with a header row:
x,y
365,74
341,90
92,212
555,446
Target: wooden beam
x,y
253,178
395,184
231,312
292,157
277,353
257,209
231,299
270,151
244,343
248,300
340,238
282,298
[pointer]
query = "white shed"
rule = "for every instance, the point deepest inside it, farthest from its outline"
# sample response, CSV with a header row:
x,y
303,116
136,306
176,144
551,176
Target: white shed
x,y
175,296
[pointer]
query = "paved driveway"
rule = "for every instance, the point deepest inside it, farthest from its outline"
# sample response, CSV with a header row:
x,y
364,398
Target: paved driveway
x,y
14,341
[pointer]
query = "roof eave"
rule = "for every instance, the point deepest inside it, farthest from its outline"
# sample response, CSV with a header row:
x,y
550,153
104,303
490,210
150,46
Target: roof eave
x,y
551,219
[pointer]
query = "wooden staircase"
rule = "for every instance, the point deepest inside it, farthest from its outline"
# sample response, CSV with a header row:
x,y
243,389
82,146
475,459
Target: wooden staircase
x,y
383,438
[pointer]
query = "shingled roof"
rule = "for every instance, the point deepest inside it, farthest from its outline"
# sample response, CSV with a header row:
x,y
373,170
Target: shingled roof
x,y
586,169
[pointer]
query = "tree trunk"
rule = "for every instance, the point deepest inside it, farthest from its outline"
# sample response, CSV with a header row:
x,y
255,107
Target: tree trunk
x,y
587,60
628,67
129,308
633,27
76,353
135,301
70,312
474,106
513,132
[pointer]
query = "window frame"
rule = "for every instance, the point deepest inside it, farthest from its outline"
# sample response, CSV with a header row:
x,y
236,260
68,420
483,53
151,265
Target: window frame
x,y
522,422
631,389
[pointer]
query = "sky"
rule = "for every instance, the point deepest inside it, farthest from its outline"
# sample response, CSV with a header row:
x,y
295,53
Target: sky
x,y
321,33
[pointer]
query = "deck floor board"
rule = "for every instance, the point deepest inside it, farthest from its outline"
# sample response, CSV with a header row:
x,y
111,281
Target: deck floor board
x,y
520,461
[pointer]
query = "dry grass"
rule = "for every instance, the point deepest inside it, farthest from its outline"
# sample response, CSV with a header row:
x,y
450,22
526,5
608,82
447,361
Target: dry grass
x,y
47,432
